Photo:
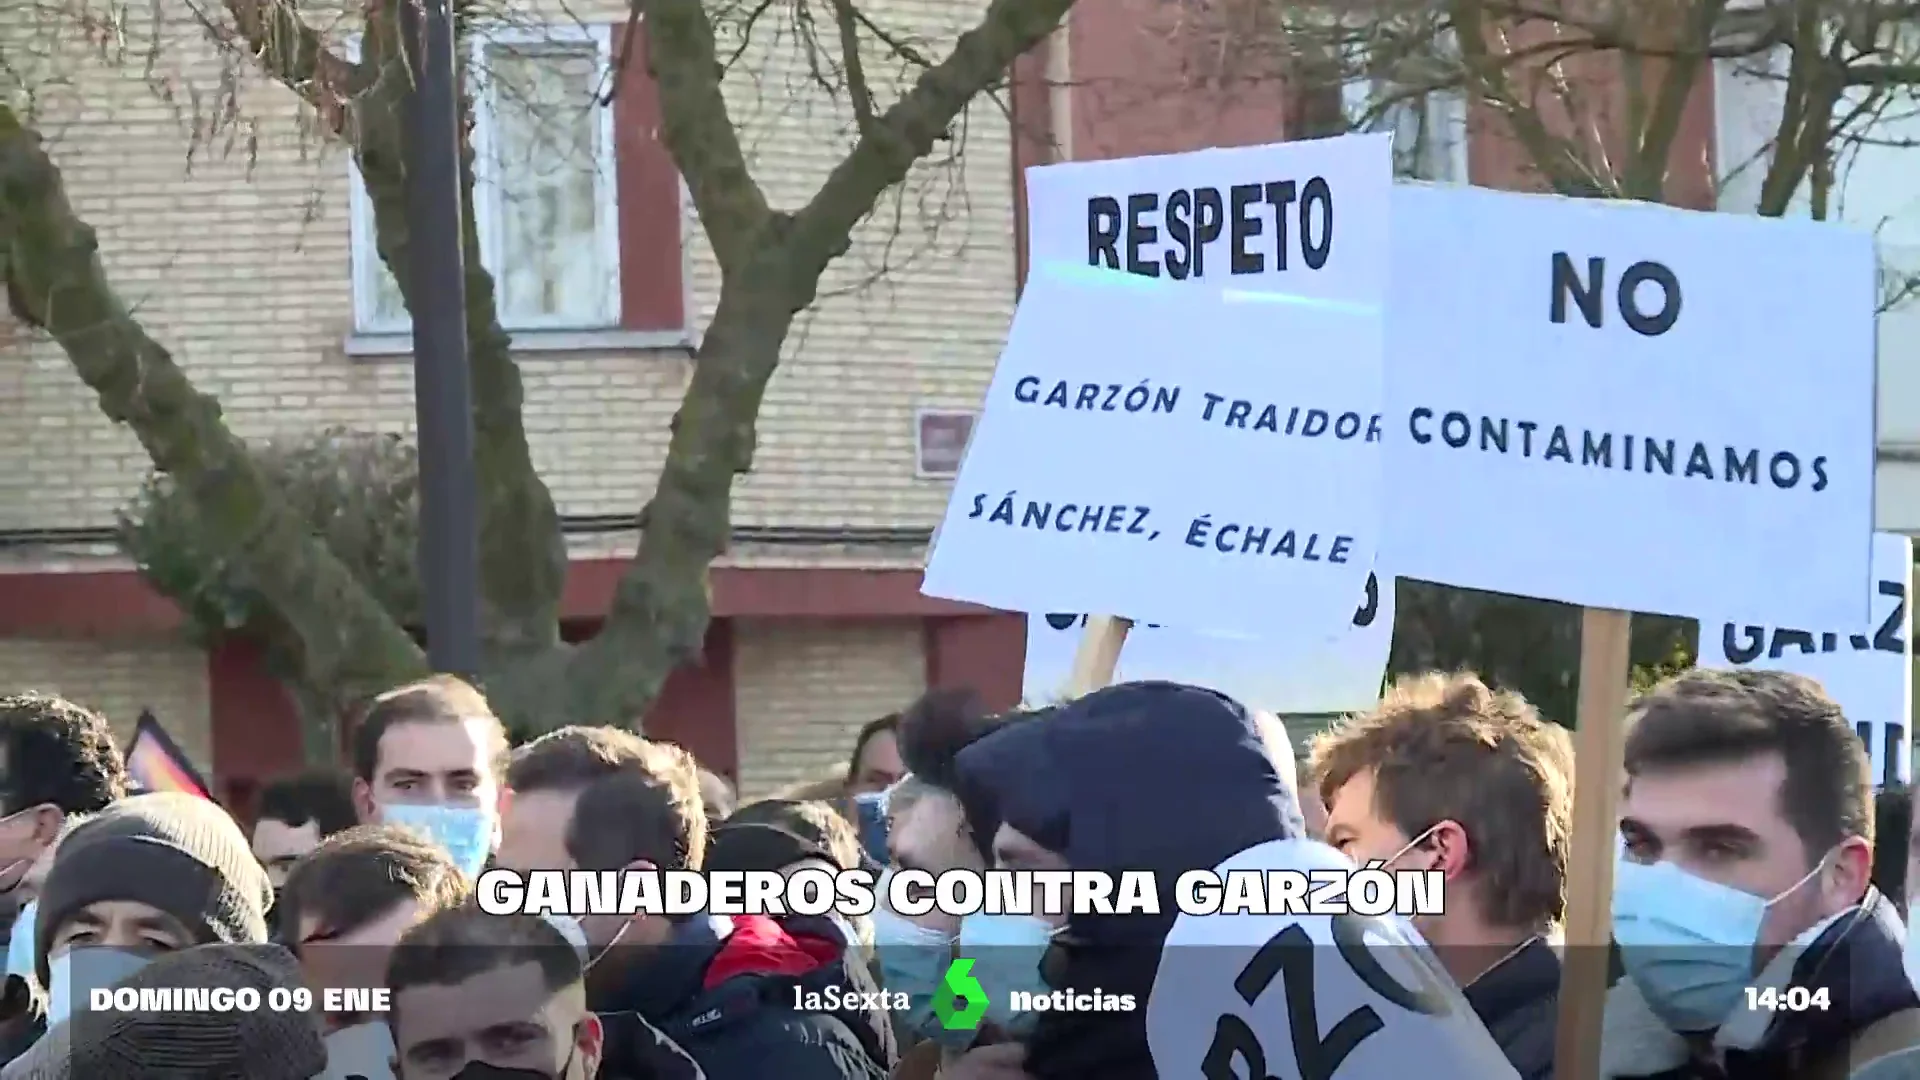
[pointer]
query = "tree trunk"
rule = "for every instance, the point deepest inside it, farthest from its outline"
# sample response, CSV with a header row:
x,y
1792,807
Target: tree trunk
x,y
52,267
523,556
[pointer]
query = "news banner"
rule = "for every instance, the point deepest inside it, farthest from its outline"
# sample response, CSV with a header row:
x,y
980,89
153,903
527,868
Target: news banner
x,y
1368,891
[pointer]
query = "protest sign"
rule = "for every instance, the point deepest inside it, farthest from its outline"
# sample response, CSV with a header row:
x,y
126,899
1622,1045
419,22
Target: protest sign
x,y
1339,675
1866,665
1111,467
1631,407
1320,997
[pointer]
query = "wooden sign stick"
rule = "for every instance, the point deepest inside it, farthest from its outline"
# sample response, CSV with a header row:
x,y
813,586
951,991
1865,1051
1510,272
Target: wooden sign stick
x,y
1599,742
1099,654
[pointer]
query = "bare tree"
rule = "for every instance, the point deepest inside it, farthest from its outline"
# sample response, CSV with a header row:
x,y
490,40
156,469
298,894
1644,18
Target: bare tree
x,y
328,628
1595,96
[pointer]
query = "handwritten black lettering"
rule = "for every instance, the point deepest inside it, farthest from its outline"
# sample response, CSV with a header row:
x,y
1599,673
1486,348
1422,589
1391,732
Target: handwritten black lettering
x,y
1587,296
1233,538
1745,644
1263,225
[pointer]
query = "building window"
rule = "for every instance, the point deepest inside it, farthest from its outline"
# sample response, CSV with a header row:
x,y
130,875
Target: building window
x,y
545,187
1429,130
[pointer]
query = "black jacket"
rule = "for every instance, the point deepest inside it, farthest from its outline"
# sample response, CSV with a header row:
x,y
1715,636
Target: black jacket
x,y
1857,963
725,990
1519,1001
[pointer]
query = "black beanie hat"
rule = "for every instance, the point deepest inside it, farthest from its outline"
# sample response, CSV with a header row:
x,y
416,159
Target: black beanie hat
x,y
181,854
753,846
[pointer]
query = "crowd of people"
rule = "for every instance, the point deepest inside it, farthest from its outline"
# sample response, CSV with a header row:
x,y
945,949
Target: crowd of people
x,y
1749,860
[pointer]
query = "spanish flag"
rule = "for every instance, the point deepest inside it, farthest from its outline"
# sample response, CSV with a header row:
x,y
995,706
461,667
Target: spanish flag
x,y
155,763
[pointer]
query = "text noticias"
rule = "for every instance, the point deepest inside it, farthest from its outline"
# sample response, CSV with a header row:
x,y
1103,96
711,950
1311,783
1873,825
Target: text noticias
x,y
812,891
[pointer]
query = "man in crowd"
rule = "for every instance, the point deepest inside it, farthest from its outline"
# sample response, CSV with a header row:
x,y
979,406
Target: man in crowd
x,y
785,835
429,756
505,996
1446,774
1094,785
1748,831
149,875
875,764
296,813
344,907
723,988
1892,828
57,762
265,1044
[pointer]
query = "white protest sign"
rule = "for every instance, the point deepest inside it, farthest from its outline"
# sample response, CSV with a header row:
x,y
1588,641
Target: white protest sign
x,y
1631,407
1183,456
1309,997
1341,675
1866,666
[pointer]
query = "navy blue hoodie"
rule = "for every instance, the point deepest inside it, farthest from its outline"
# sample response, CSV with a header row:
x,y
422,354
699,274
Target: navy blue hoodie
x,y
1141,776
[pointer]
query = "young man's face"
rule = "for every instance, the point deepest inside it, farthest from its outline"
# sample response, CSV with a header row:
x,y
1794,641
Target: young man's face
x,y
279,845
1723,822
447,763
879,767
121,924
351,958
504,1017
533,831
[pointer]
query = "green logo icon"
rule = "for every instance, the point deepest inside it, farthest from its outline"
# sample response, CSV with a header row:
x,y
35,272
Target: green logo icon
x,y
961,1002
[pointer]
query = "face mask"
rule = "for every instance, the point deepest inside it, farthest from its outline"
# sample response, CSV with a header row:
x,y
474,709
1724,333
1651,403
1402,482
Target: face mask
x,y
913,960
466,832
20,945
1006,952
1912,956
360,1052
76,973
1688,943
487,1070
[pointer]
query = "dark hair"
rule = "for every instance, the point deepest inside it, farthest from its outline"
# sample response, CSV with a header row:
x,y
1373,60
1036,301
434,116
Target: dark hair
x,y
321,796
57,753
934,729
817,826
650,810
1892,827
1710,717
869,731
442,699
358,876
1449,748
460,943
571,758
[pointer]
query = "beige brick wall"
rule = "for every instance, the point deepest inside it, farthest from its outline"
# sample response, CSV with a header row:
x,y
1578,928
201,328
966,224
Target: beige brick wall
x,y
231,242
802,690
120,678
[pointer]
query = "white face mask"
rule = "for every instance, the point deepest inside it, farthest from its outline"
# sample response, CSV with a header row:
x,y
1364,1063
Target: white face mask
x,y
363,1050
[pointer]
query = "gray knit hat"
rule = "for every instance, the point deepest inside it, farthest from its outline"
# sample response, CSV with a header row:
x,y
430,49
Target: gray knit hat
x,y
261,1045
181,854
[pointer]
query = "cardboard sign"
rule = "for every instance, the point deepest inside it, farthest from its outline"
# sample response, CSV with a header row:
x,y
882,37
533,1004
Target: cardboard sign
x,y
1631,407
1318,997
1340,675
1148,451
1866,665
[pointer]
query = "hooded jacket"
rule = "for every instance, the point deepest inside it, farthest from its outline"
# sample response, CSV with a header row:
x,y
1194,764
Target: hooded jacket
x,y
1149,776
724,990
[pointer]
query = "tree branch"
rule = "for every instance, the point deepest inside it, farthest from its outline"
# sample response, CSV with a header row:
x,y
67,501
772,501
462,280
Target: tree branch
x,y
859,93
523,556
344,637
698,129
1652,146
908,130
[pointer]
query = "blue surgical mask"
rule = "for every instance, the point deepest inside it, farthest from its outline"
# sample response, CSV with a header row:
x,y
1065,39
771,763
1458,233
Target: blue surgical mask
x,y
466,832
363,1050
913,960
76,973
1687,943
1912,956
20,945
1006,952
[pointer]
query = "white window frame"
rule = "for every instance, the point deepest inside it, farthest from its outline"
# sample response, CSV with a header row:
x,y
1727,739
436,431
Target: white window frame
x,y
489,195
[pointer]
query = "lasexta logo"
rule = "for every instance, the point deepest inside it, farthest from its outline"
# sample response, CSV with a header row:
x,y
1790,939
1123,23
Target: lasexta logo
x,y
962,1001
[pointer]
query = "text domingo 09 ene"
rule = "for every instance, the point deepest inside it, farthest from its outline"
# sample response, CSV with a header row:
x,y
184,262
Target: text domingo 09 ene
x,y
246,999
1367,891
